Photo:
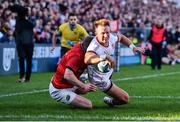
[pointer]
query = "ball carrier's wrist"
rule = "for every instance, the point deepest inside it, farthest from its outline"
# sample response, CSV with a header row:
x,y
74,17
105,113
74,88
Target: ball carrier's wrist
x,y
132,46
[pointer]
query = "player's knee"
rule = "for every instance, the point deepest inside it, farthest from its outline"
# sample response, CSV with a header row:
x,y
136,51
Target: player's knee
x,y
125,98
88,105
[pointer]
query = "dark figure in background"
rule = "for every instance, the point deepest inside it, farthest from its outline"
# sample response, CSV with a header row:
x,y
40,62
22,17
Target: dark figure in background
x,y
156,38
24,42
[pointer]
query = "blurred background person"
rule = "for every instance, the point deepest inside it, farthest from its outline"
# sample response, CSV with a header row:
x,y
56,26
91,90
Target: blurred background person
x,y
71,33
157,35
24,42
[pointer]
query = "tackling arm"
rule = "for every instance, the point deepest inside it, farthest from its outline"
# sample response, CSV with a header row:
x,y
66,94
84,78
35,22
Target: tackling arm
x,y
71,78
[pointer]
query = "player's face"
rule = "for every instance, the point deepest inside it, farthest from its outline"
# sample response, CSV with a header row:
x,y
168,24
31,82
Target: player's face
x,y
102,33
72,20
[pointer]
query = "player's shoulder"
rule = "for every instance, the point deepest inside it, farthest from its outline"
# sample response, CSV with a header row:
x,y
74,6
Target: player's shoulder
x,y
63,25
94,41
94,45
113,37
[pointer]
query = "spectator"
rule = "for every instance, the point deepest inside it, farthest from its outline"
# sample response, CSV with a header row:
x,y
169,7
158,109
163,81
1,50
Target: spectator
x,y
168,58
177,35
141,11
24,42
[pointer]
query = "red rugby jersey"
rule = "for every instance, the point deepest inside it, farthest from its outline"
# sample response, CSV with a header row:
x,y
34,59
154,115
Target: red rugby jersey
x,y
74,60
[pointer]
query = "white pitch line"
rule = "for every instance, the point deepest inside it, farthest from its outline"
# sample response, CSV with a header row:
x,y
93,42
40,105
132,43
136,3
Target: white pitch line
x,y
22,93
114,118
121,79
134,97
155,97
146,76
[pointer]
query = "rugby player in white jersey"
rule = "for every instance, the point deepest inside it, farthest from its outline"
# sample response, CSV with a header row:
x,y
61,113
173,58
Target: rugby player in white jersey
x,y
100,49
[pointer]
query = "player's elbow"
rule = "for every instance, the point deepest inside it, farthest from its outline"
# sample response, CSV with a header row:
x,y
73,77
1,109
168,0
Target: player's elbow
x,y
86,59
67,74
66,77
90,58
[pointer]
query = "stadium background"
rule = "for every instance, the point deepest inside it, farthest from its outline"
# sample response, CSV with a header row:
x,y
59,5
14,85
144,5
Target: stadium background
x,y
134,18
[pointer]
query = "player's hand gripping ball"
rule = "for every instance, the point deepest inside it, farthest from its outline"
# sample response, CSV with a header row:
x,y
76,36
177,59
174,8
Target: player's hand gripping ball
x,y
103,66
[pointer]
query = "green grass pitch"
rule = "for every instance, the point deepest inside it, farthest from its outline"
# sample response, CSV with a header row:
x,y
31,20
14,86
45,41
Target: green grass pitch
x,y
154,95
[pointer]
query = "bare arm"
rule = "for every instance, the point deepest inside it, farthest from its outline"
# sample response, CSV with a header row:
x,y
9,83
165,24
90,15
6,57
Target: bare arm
x,y
92,58
124,40
54,39
71,78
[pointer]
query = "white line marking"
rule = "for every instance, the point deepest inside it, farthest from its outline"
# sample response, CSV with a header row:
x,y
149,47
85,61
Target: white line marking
x,y
155,97
147,76
86,117
22,93
121,79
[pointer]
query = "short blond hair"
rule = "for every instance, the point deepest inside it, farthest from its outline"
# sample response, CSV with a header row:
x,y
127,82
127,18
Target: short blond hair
x,y
102,22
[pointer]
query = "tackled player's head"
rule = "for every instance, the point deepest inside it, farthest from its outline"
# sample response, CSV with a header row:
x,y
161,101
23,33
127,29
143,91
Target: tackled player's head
x,y
101,22
102,31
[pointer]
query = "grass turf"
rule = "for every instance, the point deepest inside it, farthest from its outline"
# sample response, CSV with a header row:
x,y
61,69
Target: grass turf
x,y
156,97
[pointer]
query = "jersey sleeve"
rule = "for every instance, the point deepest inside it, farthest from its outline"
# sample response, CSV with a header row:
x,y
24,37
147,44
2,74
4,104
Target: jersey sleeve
x,y
113,38
93,46
61,28
74,63
83,32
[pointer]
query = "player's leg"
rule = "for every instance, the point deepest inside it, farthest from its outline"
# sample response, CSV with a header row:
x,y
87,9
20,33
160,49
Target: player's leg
x,y
153,57
103,83
119,96
159,53
21,58
29,55
81,102
69,97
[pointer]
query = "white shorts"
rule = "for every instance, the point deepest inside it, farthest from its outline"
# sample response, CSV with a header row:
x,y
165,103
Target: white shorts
x,y
65,96
101,80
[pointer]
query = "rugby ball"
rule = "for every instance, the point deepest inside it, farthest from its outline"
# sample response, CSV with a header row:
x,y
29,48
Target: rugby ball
x,y
103,66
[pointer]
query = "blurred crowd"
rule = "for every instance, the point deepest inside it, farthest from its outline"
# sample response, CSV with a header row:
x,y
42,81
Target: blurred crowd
x,y
47,15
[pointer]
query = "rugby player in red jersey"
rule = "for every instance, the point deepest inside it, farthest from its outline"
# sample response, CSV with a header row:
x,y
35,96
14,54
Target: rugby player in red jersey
x,y
65,85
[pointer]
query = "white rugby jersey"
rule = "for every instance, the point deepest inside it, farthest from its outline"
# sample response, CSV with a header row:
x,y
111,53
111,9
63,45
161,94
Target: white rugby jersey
x,y
101,80
99,49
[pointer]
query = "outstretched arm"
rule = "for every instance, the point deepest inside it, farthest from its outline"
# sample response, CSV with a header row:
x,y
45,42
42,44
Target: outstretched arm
x,y
54,39
124,40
